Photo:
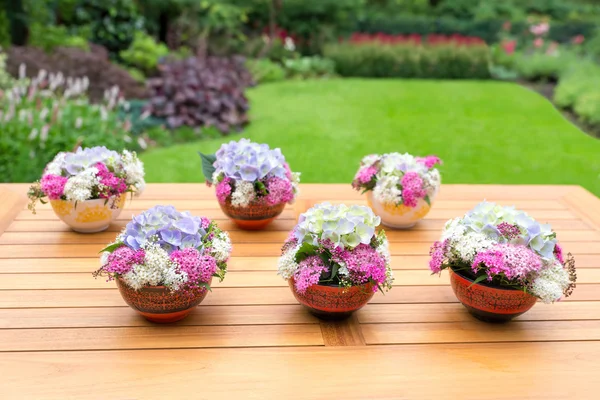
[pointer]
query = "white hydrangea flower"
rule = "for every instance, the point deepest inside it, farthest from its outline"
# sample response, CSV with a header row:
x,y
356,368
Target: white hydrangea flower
x,y
468,245
371,159
551,283
221,247
287,265
453,230
55,166
79,187
243,194
386,190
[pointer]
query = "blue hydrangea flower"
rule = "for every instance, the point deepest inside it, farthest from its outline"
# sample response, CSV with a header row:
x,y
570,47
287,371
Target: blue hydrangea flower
x,y
249,161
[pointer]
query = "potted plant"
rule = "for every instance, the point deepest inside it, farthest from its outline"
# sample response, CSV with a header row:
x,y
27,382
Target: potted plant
x,y
400,187
163,262
253,182
501,261
334,260
87,188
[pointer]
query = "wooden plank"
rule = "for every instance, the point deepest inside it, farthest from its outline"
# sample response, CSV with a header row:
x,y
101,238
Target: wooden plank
x,y
68,237
234,279
123,316
391,371
86,265
454,312
475,331
342,333
11,204
585,204
74,298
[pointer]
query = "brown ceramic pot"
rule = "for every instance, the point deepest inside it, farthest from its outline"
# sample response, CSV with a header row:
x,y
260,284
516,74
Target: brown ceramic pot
x,y
331,301
490,303
253,217
159,304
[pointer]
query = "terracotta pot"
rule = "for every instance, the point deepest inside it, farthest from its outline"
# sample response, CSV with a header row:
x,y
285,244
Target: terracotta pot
x,y
253,217
159,304
89,216
333,302
399,217
490,303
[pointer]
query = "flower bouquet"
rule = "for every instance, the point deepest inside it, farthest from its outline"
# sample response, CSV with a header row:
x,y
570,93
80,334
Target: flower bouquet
x,y
87,188
164,261
501,261
334,260
253,182
401,187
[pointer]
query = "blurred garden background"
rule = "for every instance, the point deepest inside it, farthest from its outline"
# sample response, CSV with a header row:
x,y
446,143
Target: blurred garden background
x,y
504,91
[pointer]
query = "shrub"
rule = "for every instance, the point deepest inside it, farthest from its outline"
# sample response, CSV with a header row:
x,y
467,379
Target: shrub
x,y
204,93
48,114
577,80
587,106
144,53
4,29
264,70
592,45
6,81
309,67
78,63
48,37
543,66
439,58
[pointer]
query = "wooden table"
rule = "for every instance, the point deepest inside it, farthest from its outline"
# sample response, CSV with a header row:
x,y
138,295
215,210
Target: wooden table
x,y
65,335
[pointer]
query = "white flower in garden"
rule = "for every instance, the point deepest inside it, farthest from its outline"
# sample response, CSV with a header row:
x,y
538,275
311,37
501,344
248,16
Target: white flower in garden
x,y
289,44
243,194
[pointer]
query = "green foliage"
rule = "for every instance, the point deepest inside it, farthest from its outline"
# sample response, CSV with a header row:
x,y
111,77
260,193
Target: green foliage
x,y
45,121
587,107
4,29
409,61
48,37
592,45
144,53
579,79
264,70
6,81
309,67
542,66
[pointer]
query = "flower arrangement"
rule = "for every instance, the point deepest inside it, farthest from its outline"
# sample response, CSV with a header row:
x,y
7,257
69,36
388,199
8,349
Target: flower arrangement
x,y
505,247
337,245
164,247
89,174
398,178
247,173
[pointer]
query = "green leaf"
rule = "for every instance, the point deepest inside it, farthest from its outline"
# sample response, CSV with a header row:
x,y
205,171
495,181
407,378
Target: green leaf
x,y
334,270
479,279
205,285
428,200
111,247
306,250
207,165
261,188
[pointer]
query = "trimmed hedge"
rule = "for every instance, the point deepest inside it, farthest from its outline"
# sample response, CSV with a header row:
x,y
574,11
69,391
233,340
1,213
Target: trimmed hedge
x,y
410,61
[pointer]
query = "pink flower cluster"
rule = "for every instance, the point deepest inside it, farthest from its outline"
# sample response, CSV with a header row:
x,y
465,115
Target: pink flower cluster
x,y
515,262
438,256
113,185
204,223
280,191
412,189
558,253
429,161
223,189
53,186
309,272
365,264
364,176
509,231
199,268
123,259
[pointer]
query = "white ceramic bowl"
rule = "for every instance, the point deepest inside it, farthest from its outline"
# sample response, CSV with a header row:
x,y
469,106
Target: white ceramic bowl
x,y
399,217
89,216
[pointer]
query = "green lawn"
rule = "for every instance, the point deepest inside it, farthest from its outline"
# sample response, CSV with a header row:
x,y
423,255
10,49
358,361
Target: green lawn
x,y
486,132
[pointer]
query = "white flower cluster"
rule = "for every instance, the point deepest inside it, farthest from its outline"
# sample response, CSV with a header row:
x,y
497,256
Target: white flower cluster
x,y
467,246
384,251
243,194
295,183
158,269
55,166
221,247
287,265
80,186
551,283
134,170
387,190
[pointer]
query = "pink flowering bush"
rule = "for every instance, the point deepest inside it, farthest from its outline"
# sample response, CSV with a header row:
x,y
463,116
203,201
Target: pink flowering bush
x,y
164,247
89,174
246,173
337,245
398,178
504,247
